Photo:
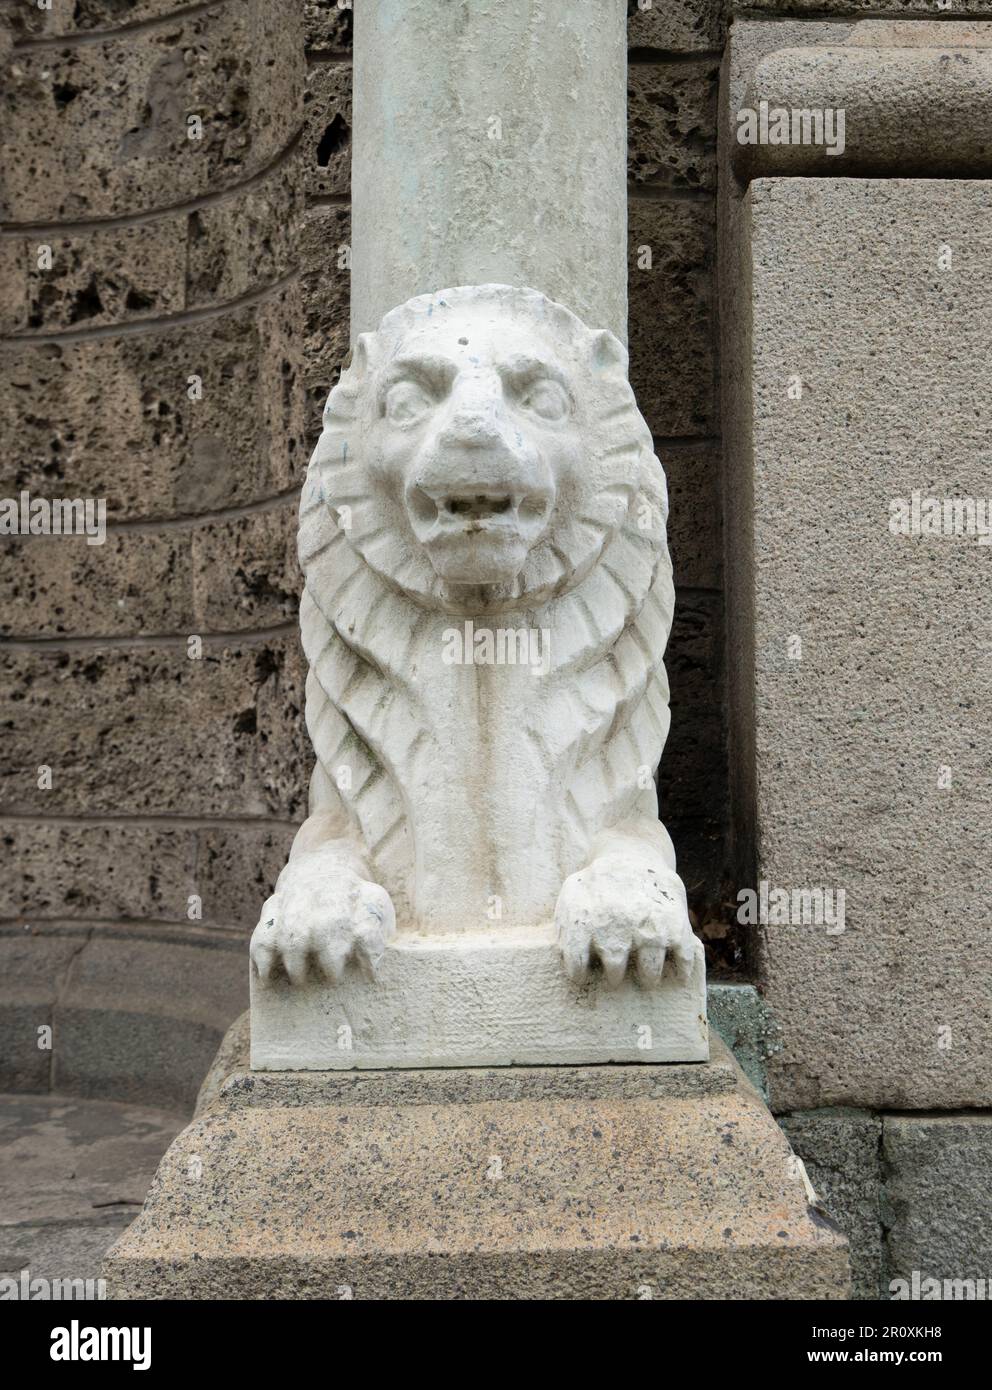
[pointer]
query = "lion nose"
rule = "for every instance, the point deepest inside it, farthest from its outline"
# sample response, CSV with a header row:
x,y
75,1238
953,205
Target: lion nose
x,y
475,415
472,427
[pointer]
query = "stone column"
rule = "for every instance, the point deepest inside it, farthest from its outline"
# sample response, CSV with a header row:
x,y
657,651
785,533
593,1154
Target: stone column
x,y
490,147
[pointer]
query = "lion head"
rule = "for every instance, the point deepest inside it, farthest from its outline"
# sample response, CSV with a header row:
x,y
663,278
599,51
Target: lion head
x,y
483,447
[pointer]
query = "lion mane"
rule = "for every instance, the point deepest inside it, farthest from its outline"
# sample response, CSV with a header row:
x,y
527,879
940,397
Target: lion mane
x,y
411,754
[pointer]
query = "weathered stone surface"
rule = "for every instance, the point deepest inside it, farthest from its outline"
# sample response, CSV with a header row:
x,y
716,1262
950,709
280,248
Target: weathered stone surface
x,y
245,571
237,866
96,871
239,243
184,260
671,124
866,769
143,1012
228,575
327,26
692,802
692,776
695,521
671,254
100,129
105,276
13,285
938,1169
135,871
136,582
845,9
33,969
569,1184
680,26
327,128
83,16
147,730
96,413
325,251
842,1153
695,653
110,416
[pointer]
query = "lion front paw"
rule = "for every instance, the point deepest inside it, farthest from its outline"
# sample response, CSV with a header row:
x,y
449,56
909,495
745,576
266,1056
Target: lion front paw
x,y
617,911
323,920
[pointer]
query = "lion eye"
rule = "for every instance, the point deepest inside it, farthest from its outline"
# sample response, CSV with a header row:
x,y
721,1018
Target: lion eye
x,y
546,398
407,401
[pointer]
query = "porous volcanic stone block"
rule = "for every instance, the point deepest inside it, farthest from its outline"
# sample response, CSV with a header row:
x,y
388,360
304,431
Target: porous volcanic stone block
x,y
851,9
101,128
327,128
692,777
248,239
694,521
79,278
671,124
680,26
233,574
237,866
65,869
327,26
546,1183
671,262
83,16
147,730
245,570
113,416
326,279
107,871
104,275
61,586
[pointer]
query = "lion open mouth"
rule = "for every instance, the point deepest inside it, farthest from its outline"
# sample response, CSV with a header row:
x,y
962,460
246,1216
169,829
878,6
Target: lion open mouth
x,y
477,508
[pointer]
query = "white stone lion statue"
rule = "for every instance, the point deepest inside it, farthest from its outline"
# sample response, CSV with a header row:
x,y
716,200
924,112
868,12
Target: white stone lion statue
x,y
488,598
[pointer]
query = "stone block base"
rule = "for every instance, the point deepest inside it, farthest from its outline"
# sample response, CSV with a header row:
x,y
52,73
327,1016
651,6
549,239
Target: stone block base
x,y
508,1183
471,1001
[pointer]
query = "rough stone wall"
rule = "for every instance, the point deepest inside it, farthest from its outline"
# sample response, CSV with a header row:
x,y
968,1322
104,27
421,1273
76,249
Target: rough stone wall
x,y
150,352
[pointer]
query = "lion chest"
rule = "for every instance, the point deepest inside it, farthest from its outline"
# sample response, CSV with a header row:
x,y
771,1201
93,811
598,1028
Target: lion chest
x,y
483,798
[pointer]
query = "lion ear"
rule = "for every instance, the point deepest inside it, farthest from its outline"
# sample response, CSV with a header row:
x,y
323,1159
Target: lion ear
x,y
608,353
